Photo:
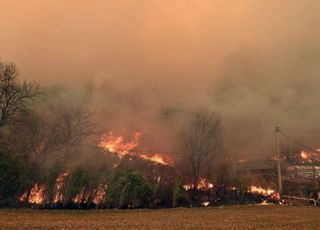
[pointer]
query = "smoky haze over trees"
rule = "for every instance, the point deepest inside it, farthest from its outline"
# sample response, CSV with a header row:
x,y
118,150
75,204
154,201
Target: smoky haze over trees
x,y
14,96
37,133
128,66
201,140
52,157
256,63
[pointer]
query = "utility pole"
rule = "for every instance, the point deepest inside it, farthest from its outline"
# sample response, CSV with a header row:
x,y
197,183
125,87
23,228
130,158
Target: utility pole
x,y
277,131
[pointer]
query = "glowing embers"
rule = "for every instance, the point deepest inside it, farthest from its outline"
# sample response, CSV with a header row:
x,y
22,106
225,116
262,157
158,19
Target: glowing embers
x,y
117,145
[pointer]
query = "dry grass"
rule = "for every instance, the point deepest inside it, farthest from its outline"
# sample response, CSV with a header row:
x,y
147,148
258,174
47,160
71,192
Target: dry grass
x,y
237,217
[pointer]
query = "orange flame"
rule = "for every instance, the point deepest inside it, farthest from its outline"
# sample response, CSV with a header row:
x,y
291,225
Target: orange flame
x,y
304,155
81,197
155,158
58,197
117,145
203,185
260,190
23,197
100,194
37,194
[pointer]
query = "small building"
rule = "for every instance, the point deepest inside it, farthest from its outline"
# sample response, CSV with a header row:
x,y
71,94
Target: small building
x,y
295,171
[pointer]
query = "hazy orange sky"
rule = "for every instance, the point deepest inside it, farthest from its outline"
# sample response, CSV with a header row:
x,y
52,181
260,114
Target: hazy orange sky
x,y
256,62
59,40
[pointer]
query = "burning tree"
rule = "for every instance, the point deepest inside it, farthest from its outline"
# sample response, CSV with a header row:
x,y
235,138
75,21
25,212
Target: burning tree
x,y
201,139
14,101
80,186
46,160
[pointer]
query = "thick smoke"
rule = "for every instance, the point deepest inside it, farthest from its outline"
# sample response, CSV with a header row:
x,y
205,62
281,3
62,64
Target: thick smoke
x,y
145,62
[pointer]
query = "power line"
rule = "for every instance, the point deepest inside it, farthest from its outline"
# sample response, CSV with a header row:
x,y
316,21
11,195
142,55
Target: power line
x,y
302,130
298,142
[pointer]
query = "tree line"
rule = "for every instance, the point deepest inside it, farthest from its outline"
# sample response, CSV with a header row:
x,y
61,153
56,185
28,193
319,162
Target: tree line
x,y
45,138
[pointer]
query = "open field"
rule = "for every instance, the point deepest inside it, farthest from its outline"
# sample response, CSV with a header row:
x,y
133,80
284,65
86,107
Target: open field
x,y
237,217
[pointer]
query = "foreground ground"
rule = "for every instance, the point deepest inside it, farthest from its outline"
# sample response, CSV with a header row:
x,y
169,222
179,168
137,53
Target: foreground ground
x,y
236,217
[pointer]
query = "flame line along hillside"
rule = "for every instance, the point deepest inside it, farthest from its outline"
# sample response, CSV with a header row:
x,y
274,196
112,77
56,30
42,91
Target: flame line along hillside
x,y
159,183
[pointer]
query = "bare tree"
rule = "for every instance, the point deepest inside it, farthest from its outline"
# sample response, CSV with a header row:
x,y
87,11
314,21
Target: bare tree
x,y
201,138
61,127
13,95
50,136
50,130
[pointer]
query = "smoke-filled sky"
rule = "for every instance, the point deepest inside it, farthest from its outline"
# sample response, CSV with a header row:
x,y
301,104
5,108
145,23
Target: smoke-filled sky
x,y
256,63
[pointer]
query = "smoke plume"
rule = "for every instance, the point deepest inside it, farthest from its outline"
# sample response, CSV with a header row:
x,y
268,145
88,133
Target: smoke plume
x,y
144,63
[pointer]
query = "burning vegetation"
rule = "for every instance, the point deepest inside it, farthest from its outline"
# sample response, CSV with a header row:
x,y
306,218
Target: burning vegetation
x,y
107,192
116,145
53,155
203,185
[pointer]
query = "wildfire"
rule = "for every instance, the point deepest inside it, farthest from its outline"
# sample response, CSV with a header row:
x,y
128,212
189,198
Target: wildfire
x,y
23,197
77,199
260,190
81,197
203,185
117,145
313,156
37,194
59,187
155,158
304,155
100,194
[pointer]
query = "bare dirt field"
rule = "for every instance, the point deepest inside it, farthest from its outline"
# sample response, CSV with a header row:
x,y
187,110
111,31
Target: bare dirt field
x,y
236,217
